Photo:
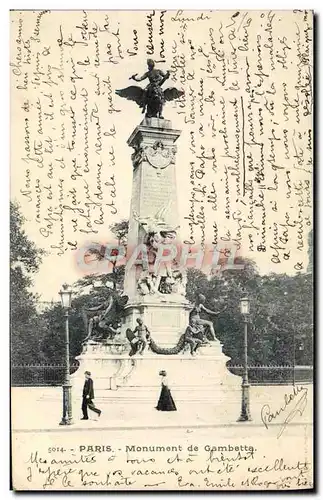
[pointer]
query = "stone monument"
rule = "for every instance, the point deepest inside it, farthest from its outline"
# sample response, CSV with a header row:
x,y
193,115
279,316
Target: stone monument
x,y
156,289
159,329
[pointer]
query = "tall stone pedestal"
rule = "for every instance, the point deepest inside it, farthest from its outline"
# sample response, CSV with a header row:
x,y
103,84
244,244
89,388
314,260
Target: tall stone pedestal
x,y
165,319
154,195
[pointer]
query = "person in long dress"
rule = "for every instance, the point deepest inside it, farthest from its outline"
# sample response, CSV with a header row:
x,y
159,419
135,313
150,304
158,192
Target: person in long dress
x,y
165,402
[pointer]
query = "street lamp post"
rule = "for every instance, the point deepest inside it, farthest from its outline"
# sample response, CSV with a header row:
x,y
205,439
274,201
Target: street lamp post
x,y
66,296
245,399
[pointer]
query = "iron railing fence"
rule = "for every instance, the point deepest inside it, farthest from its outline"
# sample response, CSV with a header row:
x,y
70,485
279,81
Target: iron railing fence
x,y
275,374
35,375
32,375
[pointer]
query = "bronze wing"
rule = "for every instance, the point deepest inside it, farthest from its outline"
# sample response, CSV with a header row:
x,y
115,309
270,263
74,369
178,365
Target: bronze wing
x,y
132,93
120,305
172,93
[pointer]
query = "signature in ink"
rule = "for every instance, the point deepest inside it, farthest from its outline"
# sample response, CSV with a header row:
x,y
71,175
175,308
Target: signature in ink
x,y
294,402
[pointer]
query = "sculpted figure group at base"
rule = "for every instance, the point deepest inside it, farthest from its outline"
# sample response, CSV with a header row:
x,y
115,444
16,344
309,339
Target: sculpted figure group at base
x,y
103,322
195,316
167,279
151,99
199,332
138,338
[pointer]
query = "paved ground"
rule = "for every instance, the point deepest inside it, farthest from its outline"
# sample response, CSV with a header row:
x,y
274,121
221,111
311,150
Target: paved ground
x,y
124,440
39,409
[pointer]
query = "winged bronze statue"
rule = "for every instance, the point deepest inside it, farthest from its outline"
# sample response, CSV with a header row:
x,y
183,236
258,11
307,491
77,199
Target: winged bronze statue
x,y
151,99
102,320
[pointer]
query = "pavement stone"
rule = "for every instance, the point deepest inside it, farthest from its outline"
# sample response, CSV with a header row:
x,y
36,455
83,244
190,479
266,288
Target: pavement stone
x,y
39,409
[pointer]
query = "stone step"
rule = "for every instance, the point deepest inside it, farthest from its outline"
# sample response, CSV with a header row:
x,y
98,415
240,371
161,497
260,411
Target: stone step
x,y
149,395
152,400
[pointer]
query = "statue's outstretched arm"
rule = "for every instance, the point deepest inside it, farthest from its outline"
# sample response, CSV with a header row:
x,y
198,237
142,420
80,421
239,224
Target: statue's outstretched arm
x,y
139,78
165,75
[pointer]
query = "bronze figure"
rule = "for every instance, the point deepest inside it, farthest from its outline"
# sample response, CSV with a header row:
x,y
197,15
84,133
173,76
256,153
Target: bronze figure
x,y
151,99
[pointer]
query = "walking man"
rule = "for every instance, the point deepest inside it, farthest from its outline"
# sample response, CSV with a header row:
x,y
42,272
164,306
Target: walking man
x,y
88,396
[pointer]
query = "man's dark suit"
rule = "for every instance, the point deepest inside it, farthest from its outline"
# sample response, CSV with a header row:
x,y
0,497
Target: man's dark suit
x,y
88,396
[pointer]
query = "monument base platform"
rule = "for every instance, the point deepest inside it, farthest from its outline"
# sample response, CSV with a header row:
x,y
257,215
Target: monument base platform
x,y
200,378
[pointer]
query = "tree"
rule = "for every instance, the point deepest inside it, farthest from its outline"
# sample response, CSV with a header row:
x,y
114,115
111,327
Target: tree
x,y
25,258
280,311
280,314
53,342
120,231
90,291
223,292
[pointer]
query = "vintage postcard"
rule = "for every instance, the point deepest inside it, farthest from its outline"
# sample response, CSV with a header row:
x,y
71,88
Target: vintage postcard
x,y
161,250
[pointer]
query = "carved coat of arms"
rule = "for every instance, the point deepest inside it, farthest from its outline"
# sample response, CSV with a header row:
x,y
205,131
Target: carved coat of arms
x,y
159,156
